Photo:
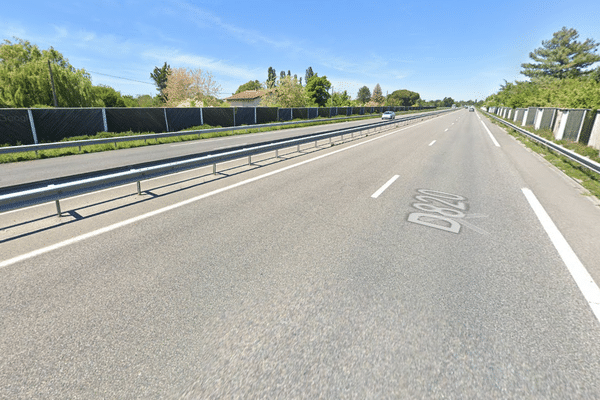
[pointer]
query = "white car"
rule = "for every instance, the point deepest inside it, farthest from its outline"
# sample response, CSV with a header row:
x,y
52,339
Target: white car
x,y
388,115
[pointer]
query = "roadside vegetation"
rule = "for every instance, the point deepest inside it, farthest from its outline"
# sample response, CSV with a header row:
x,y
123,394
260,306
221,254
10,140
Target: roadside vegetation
x,y
561,75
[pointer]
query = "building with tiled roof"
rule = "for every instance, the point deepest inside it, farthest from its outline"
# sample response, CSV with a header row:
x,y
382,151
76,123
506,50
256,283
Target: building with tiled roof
x,y
248,98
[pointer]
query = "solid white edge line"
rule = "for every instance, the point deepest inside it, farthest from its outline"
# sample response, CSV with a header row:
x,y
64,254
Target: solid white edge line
x,y
384,187
431,144
492,136
130,221
582,278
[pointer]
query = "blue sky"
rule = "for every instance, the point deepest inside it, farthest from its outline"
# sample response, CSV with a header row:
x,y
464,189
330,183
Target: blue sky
x,y
461,49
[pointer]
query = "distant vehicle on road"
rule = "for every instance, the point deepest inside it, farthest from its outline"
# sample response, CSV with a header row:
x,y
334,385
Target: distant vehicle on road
x,y
471,108
388,115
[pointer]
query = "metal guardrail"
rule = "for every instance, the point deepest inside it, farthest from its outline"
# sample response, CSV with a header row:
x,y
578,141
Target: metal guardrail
x,y
578,158
57,192
156,136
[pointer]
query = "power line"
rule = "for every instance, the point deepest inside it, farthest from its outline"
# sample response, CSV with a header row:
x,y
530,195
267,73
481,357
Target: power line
x,y
119,77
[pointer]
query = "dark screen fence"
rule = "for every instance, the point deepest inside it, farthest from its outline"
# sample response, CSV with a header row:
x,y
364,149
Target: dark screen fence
x,y
218,116
15,128
324,112
573,125
244,116
301,113
284,114
136,119
264,115
56,124
183,118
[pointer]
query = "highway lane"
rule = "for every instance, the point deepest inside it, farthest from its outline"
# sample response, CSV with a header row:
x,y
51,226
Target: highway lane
x,y
292,280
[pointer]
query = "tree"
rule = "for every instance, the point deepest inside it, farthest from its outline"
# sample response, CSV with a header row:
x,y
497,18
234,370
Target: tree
x,y
317,90
403,97
282,75
364,95
108,97
25,77
160,77
448,102
191,85
288,93
309,74
271,78
338,99
250,85
377,96
562,56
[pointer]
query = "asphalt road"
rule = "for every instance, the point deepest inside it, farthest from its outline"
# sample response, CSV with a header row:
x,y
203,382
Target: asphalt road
x,y
407,264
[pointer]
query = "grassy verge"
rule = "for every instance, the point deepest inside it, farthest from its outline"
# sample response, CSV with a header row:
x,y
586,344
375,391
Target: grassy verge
x,y
588,179
31,155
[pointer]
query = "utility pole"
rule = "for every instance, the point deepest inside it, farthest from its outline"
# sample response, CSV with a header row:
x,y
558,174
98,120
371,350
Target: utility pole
x,y
53,88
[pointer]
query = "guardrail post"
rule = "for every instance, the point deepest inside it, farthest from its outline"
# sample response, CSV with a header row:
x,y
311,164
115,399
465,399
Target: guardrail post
x,y
249,160
139,188
58,208
276,153
214,169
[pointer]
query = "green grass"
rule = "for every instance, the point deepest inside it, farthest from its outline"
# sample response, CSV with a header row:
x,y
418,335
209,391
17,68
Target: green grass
x,y
31,155
586,178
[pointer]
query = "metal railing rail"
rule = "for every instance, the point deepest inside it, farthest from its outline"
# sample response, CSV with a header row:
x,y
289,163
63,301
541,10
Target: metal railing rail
x,y
578,158
156,136
57,192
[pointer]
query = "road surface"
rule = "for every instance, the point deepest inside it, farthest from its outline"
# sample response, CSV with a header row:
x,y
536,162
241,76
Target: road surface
x,y
415,263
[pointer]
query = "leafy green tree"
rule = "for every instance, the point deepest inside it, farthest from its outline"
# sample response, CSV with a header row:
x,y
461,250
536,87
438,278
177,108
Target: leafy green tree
x,y
145,100
403,97
562,56
108,97
377,96
339,99
25,77
130,101
250,85
595,74
271,78
317,90
160,77
282,75
447,102
309,74
364,95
